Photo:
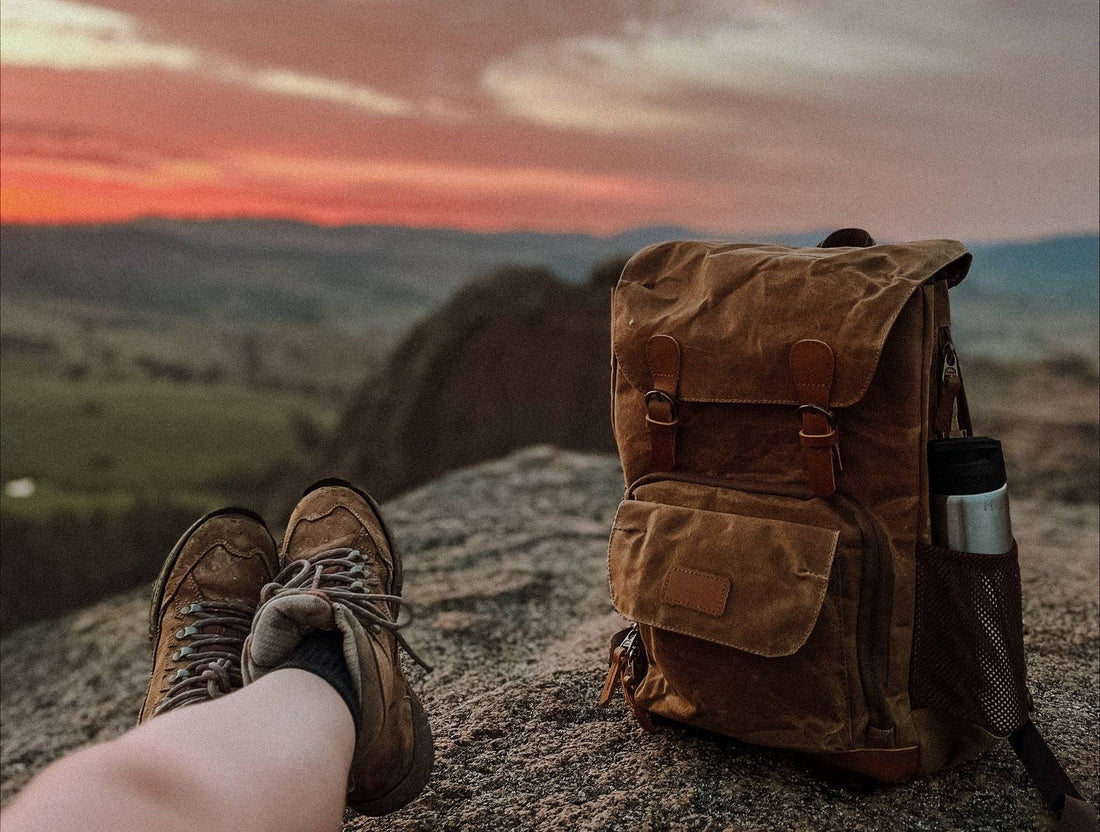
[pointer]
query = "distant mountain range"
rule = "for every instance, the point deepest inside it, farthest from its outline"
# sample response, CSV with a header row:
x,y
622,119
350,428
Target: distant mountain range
x,y
357,277
1056,271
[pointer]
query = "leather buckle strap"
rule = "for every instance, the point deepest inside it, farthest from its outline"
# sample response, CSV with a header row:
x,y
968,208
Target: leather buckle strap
x,y
823,411
666,399
811,363
662,417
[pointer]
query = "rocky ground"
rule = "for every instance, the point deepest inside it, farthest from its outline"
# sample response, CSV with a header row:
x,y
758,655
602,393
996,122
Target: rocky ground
x,y
506,562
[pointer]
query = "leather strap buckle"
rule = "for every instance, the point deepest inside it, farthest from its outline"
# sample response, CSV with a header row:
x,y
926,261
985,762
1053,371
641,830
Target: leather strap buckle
x,y
811,363
663,356
667,399
821,411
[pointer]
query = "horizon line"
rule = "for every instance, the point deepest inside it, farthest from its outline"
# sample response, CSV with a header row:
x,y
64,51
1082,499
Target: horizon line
x,y
487,232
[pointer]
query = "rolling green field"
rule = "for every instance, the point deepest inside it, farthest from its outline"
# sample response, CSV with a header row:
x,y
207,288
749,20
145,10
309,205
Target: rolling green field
x,y
101,407
131,425
100,443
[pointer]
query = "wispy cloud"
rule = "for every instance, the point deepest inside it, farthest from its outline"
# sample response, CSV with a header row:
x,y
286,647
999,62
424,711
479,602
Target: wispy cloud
x,y
107,158
68,35
446,178
289,82
260,169
683,70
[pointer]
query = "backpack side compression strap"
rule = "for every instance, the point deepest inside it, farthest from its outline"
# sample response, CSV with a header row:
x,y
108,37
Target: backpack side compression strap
x,y
1052,781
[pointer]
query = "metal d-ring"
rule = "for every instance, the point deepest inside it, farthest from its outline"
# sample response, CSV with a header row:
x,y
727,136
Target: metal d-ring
x,y
663,396
821,411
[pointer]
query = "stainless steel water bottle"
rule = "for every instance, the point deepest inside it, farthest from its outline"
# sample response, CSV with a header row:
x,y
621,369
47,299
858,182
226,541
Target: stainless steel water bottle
x,y
969,491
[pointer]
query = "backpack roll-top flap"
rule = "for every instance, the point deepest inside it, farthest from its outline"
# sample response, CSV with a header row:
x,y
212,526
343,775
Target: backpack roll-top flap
x,y
736,309
748,583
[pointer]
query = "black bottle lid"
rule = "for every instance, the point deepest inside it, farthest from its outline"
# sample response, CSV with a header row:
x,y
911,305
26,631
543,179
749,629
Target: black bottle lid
x,y
966,465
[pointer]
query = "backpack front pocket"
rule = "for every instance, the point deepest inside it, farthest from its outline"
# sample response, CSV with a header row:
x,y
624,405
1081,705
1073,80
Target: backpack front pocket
x,y
741,620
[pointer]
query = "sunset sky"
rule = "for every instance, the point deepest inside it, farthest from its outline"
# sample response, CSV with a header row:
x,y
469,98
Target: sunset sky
x,y
942,118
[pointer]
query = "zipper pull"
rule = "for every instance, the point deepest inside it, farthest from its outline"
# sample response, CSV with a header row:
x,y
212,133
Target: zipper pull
x,y
629,644
640,713
620,643
624,670
950,364
614,674
950,387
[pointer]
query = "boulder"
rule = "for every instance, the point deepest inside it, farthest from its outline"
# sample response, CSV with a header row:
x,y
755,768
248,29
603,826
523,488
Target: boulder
x,y
514,359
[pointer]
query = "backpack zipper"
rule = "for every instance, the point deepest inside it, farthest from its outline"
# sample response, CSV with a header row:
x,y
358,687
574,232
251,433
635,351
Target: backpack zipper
x,y
875,608
873,617
951,406
627,671
950,361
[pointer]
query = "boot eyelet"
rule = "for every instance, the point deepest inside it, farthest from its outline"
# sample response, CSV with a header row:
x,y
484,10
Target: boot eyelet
x,y
186,632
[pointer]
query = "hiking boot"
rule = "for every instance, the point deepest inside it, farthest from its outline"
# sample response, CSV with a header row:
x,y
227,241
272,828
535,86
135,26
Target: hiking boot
x,y
202,609
342,572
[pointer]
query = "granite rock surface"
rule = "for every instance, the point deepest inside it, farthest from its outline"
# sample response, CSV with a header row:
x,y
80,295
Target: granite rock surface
x,y
506,563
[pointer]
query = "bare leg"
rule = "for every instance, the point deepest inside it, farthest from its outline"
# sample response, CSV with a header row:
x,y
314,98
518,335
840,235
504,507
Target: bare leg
x,y
272,756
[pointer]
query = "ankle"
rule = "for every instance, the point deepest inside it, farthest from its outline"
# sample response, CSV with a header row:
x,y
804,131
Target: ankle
x,y
322,654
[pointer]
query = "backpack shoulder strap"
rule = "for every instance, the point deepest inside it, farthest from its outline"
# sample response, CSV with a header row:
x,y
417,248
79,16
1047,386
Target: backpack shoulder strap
x,y
1052,781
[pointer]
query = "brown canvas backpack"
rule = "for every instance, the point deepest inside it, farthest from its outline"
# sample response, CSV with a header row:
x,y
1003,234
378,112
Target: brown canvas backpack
x,y
772,408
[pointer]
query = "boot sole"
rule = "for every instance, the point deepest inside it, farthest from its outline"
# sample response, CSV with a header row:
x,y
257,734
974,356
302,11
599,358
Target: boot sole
x,y
419,772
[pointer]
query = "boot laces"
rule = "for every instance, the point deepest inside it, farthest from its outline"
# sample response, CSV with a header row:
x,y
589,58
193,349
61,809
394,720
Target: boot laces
x,y
343,577
212,647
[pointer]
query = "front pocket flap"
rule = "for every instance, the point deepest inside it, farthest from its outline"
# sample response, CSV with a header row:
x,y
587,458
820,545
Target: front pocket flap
x,y
745,582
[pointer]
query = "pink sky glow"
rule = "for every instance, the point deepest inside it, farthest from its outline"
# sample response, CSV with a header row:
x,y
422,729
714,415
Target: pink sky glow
x,y
946,118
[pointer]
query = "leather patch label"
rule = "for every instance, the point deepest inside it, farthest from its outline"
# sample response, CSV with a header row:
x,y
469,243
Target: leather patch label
x,y
699,591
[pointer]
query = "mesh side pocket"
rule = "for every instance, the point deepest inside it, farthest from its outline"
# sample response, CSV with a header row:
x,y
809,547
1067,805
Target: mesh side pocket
x,y
968,642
